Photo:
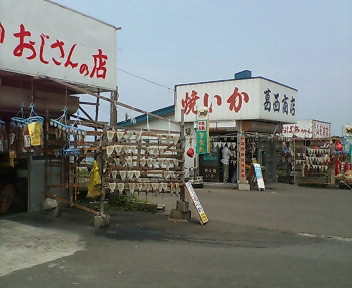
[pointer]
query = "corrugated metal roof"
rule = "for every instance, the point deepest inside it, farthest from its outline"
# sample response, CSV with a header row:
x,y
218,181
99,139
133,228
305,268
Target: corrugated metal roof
x,y
142,118
226,80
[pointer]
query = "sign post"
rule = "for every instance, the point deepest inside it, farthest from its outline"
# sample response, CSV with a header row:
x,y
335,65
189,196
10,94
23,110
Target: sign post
x,y
259,176
203,219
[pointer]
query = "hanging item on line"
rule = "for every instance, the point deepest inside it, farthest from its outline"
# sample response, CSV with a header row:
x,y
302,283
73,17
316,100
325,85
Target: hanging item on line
x,y
31,127
61,123
3,137
190,152
35,128
94,189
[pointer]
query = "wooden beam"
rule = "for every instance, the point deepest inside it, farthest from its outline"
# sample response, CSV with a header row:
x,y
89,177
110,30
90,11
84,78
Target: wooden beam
x,y
85,91
74,204
87,103
85,113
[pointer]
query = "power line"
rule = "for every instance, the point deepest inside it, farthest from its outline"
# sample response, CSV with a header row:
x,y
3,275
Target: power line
x,y
139,77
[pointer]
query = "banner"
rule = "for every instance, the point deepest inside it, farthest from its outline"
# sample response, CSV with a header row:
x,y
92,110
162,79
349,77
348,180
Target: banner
x,y
202,142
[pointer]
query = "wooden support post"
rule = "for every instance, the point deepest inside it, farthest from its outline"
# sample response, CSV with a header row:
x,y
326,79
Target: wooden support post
x,y
101,161
183,145
46,137
113,110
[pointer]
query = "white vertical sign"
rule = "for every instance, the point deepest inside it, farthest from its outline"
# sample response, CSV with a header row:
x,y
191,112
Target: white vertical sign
x,y
259,176
202,216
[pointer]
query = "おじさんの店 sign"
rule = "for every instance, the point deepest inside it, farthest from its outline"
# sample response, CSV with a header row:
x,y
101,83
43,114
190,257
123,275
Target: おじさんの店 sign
x,y
41,38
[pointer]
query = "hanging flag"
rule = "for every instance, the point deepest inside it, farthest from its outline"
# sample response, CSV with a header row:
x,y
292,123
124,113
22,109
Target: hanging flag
x,y
202,137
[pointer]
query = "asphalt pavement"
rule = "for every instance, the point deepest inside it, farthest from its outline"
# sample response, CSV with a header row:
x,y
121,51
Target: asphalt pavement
x,y
285,236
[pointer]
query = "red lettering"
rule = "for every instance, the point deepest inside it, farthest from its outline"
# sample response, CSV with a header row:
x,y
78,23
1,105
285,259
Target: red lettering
x,y
99,69
189,103
2,33
68,61
60,45
206,102
218,100
83,69
236,99
18,52
41,51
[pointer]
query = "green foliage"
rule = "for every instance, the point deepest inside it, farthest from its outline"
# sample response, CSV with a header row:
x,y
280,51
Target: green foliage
x,y
126,203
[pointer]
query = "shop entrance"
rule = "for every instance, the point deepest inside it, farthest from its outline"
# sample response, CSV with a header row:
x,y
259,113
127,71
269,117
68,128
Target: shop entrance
x,y
210,165
13,185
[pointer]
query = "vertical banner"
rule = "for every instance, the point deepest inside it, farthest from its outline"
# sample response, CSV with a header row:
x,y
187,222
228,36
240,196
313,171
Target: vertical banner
x,y
203,219
242,160
202,142
259,176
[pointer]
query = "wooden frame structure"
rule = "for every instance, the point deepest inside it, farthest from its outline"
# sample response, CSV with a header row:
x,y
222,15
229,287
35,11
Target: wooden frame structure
x,y
149,161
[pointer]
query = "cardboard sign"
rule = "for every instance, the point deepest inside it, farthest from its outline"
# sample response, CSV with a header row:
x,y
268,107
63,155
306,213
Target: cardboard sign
x,y
259,176
36,133
192,194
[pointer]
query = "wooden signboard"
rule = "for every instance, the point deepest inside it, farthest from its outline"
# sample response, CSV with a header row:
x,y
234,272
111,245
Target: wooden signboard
x,y
259,176
192,194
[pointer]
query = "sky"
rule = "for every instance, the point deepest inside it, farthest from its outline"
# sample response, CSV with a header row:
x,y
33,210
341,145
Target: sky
x,y
303,44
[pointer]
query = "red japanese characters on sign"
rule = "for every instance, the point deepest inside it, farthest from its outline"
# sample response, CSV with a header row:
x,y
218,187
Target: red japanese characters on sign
x,y
295,129
2,33
235,101
202,125
242,160
32,49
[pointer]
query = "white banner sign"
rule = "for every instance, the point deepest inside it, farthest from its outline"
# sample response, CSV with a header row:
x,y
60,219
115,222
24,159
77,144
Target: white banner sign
x,y
202,216
39,37
246,99
259,176
307,129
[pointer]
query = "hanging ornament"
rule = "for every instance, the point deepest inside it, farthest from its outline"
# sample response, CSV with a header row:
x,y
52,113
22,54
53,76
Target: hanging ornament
x,y
139,186
132,187
137,173
190,152
109,150
110,135
123,174
112,187
119,135
120,187
130,174
114,174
